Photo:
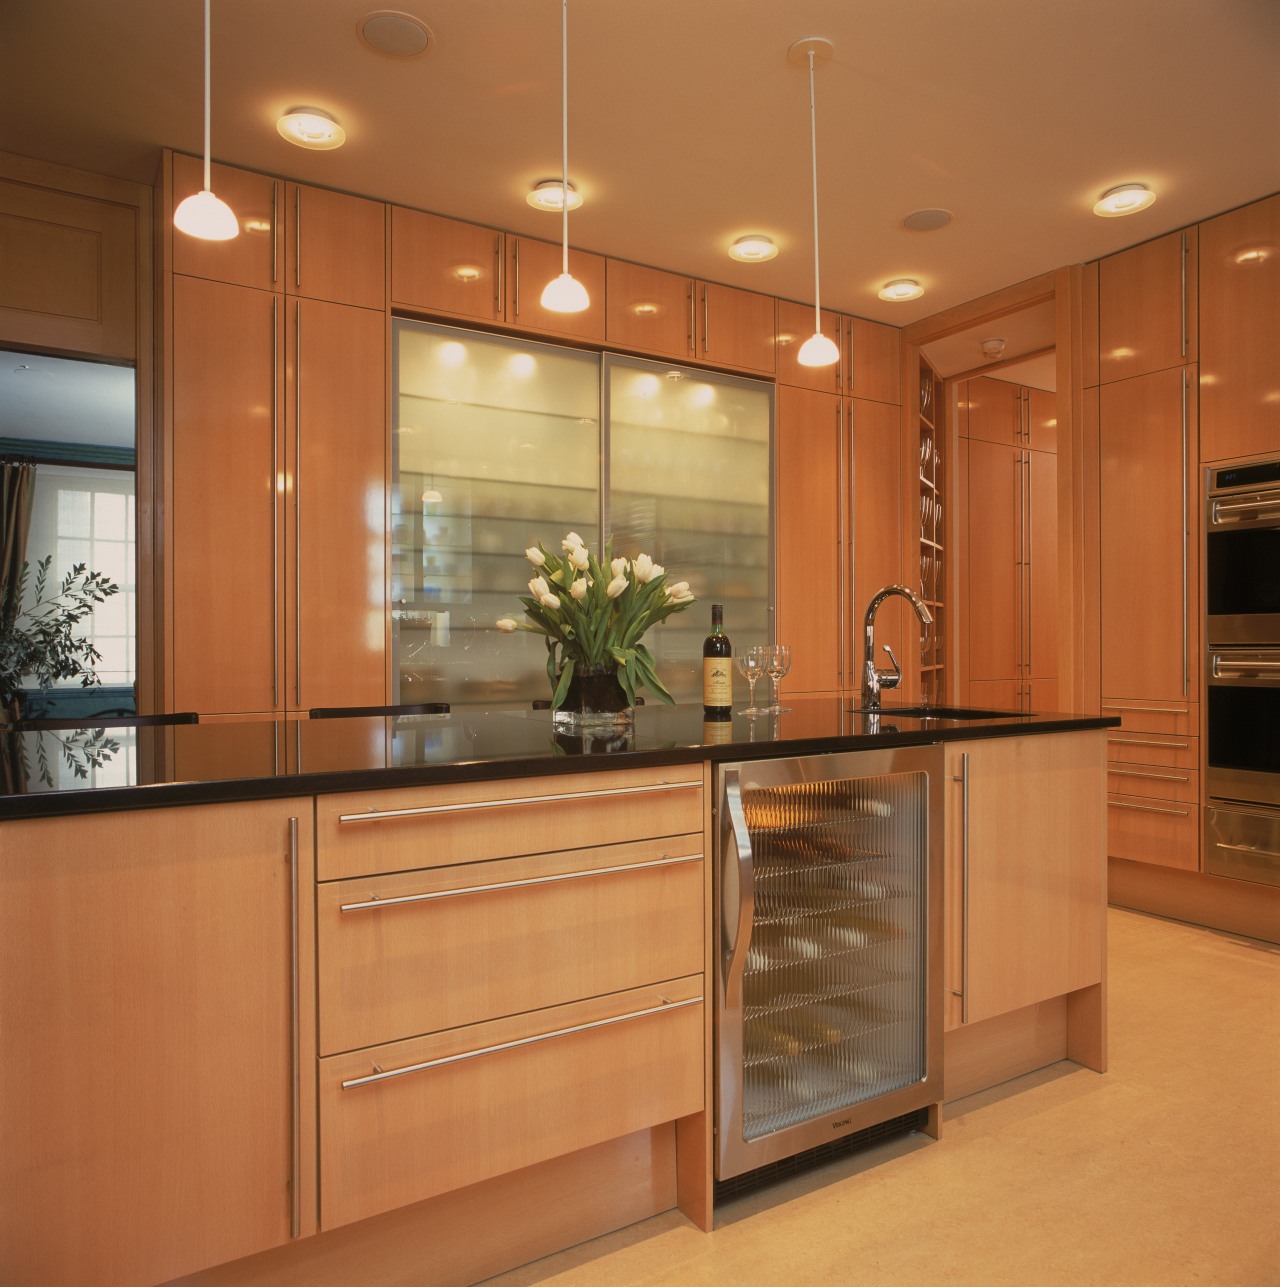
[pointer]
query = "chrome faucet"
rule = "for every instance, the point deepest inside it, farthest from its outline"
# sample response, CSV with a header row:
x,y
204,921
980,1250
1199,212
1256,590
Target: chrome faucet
x,y
874,680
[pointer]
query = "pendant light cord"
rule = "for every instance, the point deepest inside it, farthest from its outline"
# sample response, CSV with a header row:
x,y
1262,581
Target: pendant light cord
x,y
564,134
813,142
207,178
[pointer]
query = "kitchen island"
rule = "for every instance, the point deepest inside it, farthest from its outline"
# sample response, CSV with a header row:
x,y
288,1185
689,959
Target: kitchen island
x,y
331,1000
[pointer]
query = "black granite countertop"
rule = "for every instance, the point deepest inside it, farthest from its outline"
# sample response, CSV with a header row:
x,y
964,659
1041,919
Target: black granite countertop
x,y
146,765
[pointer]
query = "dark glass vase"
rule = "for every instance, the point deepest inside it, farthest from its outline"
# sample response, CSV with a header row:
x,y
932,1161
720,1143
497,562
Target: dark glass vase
x,y
594,702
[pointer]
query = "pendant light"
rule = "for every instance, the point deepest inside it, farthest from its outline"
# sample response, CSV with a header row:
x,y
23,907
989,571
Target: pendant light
x,y
565,294
202,214
817,350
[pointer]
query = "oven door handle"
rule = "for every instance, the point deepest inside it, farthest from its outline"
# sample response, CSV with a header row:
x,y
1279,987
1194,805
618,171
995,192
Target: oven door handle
x,y
1261,506
1224,668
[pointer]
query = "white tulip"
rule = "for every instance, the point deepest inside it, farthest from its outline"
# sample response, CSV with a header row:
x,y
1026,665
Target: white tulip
x,y
659,570
680,598
643,568
579,589
678,591
535,556
508,625
549,601
618,566
571,542
539,587
579,559
617,586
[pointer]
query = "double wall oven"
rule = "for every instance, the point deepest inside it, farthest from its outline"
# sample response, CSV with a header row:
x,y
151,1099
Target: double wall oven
x,y
1242,673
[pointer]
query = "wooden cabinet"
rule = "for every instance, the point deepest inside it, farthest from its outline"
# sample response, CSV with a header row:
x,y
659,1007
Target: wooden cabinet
x,y
1011,414
1239,321
734,328
1026,872
648,310
335,247
795,325
154,1119
1147,307
530,266
870,354
445,266
252,258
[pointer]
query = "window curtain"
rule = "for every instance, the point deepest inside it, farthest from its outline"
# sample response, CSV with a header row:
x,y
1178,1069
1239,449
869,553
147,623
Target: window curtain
x,y
19,481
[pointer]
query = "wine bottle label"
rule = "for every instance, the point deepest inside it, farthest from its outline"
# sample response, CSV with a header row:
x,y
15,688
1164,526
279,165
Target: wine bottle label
x,y
717,731
717,681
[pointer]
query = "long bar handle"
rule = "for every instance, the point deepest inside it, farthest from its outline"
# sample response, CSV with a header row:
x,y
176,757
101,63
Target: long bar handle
x,y
734,830
1157,777
275,492
1145,808
963,779
1223,669
295,1036
1150,710
297,504
297,235
1146,741
378,815
1184,294
380,1074
1246,849
842,542
1186,513
1029,555
693,317
275,230
375,903
706,318
515,274
1264,506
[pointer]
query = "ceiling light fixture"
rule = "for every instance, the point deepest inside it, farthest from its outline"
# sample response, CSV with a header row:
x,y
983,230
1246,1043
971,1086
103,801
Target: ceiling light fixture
x,y
565,294
992,348
754,249
1127,198
311,127
818,349
202,214
901,288
548,194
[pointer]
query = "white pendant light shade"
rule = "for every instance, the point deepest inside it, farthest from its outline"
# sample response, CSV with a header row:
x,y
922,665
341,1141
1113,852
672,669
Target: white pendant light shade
x,y
203,215
818,350
565,294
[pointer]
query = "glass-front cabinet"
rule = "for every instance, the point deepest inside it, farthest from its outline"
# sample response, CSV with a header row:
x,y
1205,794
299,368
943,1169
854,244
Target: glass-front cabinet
x,y
500,443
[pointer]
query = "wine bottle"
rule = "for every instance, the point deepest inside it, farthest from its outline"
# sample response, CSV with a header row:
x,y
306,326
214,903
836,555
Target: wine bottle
x,y
717,670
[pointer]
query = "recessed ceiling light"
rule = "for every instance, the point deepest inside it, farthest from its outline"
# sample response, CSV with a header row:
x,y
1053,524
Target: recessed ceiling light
x,y
927,220
547,194
398,35
1127,198
901,288
311,128
754,249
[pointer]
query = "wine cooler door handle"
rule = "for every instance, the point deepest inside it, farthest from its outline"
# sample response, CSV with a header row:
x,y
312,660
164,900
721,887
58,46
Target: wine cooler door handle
x,y
737,891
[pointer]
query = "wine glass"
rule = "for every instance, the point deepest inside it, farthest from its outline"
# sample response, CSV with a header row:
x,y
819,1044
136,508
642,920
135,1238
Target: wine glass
x,y
777,662
750,662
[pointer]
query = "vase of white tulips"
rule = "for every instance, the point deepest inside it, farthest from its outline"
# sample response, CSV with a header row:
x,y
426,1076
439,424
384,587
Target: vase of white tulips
x,y
592,614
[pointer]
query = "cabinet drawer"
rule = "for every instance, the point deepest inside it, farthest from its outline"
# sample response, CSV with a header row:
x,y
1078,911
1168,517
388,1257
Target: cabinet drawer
x,y
1162,832
360,834
407,1121
429,950
1144,717
1159,782
1174,751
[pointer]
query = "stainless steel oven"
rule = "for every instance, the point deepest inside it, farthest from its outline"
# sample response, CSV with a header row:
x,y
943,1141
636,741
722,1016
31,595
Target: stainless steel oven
x,y
1242,554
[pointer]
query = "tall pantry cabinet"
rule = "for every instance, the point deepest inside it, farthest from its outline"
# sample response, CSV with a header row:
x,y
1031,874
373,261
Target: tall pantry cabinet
x,y
275,450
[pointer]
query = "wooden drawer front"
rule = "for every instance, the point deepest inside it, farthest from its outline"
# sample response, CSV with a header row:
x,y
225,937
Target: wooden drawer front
x,y
1146,718
474,943
385,831
1156,831
1156,781
1169,751
449,1110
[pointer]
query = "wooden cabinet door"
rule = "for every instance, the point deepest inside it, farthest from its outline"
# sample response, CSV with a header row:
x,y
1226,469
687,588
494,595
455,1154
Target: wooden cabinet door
x,y
795,325
1239,322
1148,523
149,1128
224,513
445,266
1041,420
992,410
336,548
253,258
1033,839
1147,307
995,538
736,328
530,266
1040,554
997,694
335,247
872,360
648,310
812,612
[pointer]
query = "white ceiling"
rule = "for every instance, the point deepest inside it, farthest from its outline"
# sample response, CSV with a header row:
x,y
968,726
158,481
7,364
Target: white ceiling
x,y
688,126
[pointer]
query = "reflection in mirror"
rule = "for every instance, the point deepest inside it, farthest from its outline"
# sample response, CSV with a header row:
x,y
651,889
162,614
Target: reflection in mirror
x,y
69,427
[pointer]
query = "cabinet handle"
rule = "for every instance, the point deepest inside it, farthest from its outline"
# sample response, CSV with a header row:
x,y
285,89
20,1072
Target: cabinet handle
x,y
1246,849
1267,506
1157,777
842,546
515,273
1184,294
963,779
378,815
1143,741
1027,560
1019,527
693,318
297,504
1146,808
1150,710
706,319
1239,669
499,278
375,902
735,834
275,230
297,235
1186,515
385,1075
295,1037
275,504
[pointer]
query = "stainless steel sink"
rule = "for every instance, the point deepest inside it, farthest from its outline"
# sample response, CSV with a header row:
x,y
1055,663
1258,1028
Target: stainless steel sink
x,y
934,712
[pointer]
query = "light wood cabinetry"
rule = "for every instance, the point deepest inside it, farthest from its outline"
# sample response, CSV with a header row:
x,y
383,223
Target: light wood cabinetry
x,y
255,256
1239,322
1026,873
335,247
530,266
734,328
147,1129
445,266
648,310
1147,307
870,354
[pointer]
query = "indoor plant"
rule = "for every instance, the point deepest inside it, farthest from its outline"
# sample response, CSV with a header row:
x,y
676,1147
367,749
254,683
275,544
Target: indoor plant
x,y
593,613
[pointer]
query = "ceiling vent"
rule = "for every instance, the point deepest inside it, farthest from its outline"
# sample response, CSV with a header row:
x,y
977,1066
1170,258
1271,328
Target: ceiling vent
x,y
395,34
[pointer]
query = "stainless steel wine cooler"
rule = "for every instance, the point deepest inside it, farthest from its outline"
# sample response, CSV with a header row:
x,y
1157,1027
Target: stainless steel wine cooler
x,y
829,944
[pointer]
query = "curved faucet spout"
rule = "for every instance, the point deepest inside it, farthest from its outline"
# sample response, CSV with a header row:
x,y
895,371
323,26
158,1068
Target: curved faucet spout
x,y
873,680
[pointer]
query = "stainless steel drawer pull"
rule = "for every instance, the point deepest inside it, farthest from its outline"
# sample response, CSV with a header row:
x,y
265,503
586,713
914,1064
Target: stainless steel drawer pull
x,y
1152,710
1263,506
380,1074
1246,849
1146,741
1235,669
1146,808
376,902
1158,777
377,815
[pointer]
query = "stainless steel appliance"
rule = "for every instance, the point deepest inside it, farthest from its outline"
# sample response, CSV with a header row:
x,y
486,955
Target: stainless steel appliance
x,y
829,889
1242,677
